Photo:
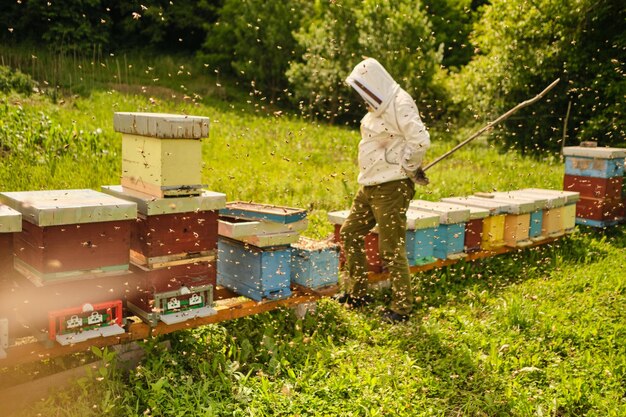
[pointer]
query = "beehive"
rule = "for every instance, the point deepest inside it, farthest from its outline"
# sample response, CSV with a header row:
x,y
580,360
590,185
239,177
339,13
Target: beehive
x,y
493,225
474,227
68,234
174,294
597,174
569,207
553,215
173,230
255,272
261,233
449,235
594,161
162,153
420,236
314,264
374,262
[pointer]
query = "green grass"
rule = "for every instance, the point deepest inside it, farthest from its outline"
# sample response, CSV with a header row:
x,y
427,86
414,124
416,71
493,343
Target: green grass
x,y
537,332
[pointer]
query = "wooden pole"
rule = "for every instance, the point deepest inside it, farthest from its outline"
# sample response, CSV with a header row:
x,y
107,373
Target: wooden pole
x,y
490,125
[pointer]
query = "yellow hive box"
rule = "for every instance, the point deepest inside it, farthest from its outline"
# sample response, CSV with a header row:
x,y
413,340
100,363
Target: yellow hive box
x,y
493,225
162,153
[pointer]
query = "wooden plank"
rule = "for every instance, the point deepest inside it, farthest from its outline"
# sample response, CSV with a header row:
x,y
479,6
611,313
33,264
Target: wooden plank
x,y
10,220
259,211
594,152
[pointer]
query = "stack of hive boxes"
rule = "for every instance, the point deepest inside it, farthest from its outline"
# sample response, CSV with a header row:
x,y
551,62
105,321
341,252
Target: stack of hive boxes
x,y
174,240
597,174
254,252
69,237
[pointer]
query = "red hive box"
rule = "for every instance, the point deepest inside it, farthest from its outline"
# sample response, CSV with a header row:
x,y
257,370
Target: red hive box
x,y
172,230
69,234
593,187
600,209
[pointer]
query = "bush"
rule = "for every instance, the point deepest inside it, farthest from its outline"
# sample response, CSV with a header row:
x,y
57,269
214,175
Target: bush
x,y
11,80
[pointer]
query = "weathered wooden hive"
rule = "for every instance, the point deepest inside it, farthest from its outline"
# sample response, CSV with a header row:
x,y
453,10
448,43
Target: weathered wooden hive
x,y
420,236
553,214
569,207
493,224
257,265
162,153
314,264
449,235
473,227
598,175
71,234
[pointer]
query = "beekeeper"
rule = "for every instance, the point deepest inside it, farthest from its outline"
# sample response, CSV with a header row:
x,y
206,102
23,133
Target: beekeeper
x,y
392,147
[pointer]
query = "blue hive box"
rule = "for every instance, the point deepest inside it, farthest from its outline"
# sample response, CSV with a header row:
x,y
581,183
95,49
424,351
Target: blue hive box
x,y
449,235
420,236
594,161
314,264
254,272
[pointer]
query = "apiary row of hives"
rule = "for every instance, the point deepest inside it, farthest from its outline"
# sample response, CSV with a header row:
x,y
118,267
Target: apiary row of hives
x,y
598,175
76,263
457,226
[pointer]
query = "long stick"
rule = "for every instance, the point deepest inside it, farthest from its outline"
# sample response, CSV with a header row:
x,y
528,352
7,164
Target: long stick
x,y
492,124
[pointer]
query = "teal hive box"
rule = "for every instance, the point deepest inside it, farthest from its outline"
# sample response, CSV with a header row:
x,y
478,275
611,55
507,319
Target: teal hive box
x,y
449,235
594,161
420,236
254,272
314,264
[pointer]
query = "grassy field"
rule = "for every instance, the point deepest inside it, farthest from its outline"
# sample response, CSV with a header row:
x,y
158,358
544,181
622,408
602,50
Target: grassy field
x,y
538,332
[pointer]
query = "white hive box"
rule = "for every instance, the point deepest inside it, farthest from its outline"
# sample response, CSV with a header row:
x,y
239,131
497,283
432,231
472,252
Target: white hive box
x,y
10,223
162,153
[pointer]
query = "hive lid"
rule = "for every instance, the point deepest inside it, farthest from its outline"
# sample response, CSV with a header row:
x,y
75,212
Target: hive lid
x,y
517,204
570,196
59,207
162,125
549,201
590,152
259,211
149,205
338,217
494,207
420,219
475,212
448,213
10,220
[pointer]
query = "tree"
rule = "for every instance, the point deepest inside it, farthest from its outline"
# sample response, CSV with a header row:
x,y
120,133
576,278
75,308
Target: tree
x,y
397,33
523,46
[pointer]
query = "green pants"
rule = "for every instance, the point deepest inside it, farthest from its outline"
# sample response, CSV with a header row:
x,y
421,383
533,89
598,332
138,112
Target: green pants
x,y
385,205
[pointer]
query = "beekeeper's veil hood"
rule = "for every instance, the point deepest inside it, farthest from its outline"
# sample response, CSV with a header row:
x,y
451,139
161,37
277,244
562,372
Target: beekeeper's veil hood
x,y
373,83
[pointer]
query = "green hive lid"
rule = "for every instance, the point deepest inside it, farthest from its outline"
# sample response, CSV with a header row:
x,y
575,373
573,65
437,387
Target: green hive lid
x,y
338,217
593,152
494,207
421,219
570,196
149,205
59,207
448,214
162,125
10,220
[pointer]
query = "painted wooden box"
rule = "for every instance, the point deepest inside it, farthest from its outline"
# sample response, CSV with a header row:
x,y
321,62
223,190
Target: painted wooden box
x,y
261,233
420,236
174,294
172,230
493,225
536,216
474,227
553,214
374,263
568,211
263,212
594,161
449,235
70,234
255,272
593,187
314,264
517,222
162,153
599,212
10,223
88,321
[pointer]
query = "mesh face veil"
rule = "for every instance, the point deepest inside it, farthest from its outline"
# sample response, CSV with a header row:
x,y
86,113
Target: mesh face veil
x,y
370,79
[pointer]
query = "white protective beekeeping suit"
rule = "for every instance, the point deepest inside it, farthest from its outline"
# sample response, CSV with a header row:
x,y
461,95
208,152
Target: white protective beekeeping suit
x,y
393,138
